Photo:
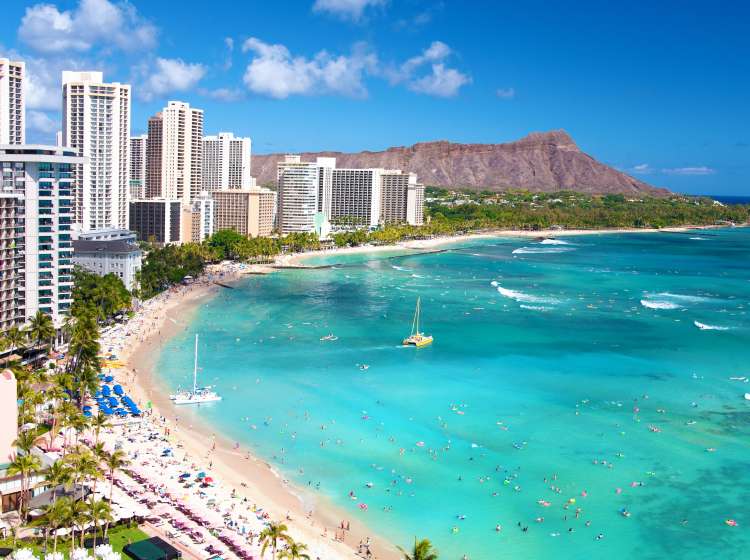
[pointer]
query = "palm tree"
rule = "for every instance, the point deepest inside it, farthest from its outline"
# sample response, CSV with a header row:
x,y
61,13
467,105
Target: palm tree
x,y
41,328
98,422
295,551
58,474
422,551
24,465
99,510
113,462
83,465
79,517
26,440
16,337
58,515
271,536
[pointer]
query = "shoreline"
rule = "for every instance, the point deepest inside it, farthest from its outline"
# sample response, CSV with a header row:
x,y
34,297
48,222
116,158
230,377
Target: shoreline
x,y
297,259
239,469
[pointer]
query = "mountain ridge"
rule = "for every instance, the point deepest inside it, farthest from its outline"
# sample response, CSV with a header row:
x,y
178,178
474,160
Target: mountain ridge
x,y
541,161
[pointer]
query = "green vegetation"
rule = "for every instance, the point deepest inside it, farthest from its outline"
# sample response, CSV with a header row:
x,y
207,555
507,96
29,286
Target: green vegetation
x,y
533,211
103,296
119,538
170,264
422,550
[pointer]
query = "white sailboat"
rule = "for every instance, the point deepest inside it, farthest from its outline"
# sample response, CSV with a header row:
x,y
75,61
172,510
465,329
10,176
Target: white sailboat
x,y
198,394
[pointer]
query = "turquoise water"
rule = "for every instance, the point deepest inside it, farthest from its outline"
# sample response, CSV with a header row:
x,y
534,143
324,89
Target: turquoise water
x,y
557,371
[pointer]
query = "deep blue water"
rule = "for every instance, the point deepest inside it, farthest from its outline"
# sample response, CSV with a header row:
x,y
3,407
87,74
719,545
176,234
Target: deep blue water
x,y
574,374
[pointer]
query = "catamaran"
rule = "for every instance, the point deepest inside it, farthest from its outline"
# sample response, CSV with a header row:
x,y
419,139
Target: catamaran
x,y
198,394
416,338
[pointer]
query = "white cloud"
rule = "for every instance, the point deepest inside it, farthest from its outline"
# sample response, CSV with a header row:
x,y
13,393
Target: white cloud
x,y
229,44
506,93
641,169
46,29
274,72
41,122
346,9
43,77
168,75
701,170
442,82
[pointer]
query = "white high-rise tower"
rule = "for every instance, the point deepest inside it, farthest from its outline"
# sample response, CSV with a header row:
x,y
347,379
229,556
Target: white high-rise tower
x,y
96,121
181,152
226,162
12,109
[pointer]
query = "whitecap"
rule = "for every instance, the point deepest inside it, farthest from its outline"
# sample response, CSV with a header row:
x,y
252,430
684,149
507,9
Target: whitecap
x,y
541,250
416,276
699,238
680,297
553,242
535,307
493,283
659,304
397,267
705,327
522,297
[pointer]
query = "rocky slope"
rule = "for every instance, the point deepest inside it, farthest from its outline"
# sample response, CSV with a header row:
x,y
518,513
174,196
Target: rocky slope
x,y
542,161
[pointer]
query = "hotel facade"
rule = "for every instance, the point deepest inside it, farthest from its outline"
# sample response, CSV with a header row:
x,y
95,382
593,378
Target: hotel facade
x,y
226,162
12,106
313,191
96,122
36,215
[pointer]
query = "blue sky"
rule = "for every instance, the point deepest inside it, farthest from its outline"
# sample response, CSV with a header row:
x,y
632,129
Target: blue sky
x,y
658,89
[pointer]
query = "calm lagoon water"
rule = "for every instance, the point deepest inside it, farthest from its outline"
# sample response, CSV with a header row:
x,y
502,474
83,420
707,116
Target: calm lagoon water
x,y
572,374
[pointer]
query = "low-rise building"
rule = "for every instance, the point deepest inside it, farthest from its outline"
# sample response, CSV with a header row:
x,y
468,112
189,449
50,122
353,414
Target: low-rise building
x,y
118,255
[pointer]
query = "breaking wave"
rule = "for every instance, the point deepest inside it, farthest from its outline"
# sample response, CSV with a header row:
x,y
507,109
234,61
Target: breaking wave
x,y
522,297
659,304
705,327
680,297
553,242
541,250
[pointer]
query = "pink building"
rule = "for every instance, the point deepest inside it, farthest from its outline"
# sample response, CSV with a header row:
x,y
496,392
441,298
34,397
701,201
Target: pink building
x,y
8,416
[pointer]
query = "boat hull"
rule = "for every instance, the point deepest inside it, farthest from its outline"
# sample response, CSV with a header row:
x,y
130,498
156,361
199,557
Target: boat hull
x,y
196,400
418,342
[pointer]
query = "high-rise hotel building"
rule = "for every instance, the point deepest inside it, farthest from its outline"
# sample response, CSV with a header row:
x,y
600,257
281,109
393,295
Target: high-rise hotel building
x,y
249,212
12,107
36,218
344,197
298,194
96,122
174,153
226,162
138,166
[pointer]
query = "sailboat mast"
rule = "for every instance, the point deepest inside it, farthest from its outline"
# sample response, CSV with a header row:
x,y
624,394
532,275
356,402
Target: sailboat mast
x,y
419,299
195,366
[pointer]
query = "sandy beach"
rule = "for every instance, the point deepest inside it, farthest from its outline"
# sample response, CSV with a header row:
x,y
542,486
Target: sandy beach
x,y
162,318
435,243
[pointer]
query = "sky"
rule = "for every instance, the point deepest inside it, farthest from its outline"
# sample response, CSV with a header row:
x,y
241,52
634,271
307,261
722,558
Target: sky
x,y
660,90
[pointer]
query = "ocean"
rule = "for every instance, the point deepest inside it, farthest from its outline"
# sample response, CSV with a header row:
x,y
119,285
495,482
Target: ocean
x,y
576,402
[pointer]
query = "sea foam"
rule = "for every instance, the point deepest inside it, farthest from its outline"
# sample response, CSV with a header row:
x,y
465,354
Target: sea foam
x,y
541,250
659,304
522,297
705,327
553,242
